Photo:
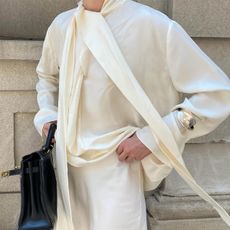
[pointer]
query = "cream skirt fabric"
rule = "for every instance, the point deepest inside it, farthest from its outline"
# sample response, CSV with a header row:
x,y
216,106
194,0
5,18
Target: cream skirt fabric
x,y
107,195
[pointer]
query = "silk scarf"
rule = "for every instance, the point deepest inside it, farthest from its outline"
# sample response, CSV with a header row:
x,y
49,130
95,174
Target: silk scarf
x,y
84,26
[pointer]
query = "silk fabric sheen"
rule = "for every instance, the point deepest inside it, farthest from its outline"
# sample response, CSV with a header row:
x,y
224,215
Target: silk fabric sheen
x,y
83,26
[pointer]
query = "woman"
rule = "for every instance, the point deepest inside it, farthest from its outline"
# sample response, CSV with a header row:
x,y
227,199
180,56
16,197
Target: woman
x,y
112,152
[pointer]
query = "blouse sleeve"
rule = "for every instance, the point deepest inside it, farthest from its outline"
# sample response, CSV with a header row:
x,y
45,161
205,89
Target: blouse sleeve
x,y
47,85
207,88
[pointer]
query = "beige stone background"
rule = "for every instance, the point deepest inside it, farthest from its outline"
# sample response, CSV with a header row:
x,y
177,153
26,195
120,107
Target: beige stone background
x,y
22,28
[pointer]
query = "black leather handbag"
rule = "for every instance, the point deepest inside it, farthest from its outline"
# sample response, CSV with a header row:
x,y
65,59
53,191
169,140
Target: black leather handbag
x,y
38,187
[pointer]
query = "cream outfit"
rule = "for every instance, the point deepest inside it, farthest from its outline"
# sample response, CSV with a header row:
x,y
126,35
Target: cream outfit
x,y
165,62
108,195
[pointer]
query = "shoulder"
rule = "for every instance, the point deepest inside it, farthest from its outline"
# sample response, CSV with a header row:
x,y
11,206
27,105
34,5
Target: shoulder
x,y
64,17
155,19
59,24
148,16
56,32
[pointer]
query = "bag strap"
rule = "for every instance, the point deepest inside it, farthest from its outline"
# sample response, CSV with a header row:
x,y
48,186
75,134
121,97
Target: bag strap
x,y
17,171
47,147
106,51
11,172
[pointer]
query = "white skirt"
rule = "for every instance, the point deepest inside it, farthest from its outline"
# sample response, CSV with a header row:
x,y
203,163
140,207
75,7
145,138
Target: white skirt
x,y
107,195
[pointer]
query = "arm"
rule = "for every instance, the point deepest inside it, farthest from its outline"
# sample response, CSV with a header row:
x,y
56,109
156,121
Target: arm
x,y
47,85
192,72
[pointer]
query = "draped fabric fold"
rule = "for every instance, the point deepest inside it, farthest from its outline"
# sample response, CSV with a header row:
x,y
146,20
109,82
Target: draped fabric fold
x,y
116,67
83,26
71,77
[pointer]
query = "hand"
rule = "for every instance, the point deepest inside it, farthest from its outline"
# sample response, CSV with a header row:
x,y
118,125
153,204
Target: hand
x,y
132,149
45,129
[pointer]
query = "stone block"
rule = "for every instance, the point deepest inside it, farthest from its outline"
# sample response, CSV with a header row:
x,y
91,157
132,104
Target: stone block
x,y
220,134
18,101
7,159
185,213
218,50
206,18
10,210
188,207
20,50
208,164
14,127
194,224
17,75
26,139
29,19
161,5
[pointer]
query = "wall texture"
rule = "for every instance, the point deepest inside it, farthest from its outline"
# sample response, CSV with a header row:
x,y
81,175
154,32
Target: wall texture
x,y
22,28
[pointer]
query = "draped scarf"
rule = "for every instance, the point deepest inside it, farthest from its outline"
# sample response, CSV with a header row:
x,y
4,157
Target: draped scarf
x,y
84,26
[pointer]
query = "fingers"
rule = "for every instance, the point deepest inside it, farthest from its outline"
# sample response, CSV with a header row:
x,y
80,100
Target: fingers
x,y
125,156
123,151
122,145
122,156
46,127
53,140
119,149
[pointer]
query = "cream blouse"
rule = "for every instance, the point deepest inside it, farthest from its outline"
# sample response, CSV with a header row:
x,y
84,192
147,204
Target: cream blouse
x,y
166,63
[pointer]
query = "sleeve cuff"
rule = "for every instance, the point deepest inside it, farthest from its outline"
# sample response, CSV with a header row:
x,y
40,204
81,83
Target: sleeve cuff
x,y
42,117
180,135
145,136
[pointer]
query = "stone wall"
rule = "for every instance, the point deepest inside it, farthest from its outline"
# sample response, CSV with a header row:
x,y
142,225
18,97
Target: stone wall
x,y
22,27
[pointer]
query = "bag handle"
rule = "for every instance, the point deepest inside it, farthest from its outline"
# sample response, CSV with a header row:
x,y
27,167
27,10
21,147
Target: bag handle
x,y
47,147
